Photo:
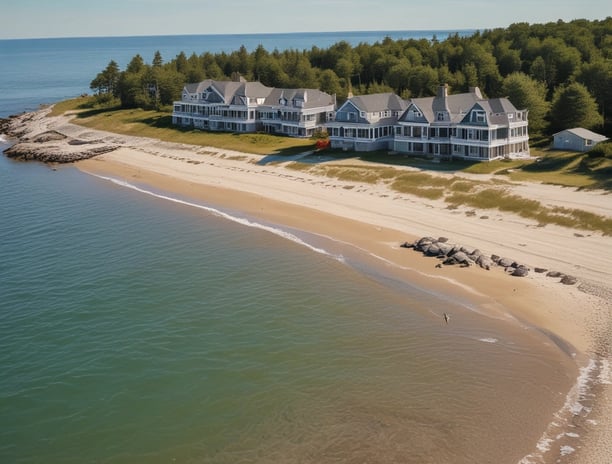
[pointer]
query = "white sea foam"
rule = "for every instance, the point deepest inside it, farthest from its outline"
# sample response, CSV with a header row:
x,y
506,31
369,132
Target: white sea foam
x,y
565,450
571,406
605,372
572,435
544,444
3,139
488,340
243,221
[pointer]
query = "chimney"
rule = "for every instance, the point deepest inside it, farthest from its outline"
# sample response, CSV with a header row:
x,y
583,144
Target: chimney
x,y
443,91
476,91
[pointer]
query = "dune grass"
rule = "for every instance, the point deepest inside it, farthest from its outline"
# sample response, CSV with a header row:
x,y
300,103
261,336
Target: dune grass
x,y
531,209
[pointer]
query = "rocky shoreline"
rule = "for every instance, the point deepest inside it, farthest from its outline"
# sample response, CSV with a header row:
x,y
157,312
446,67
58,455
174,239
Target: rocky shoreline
x,y
35,142
453,254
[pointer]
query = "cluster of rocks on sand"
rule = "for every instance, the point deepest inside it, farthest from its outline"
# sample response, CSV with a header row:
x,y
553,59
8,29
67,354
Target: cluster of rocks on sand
x,y
453,254
36,143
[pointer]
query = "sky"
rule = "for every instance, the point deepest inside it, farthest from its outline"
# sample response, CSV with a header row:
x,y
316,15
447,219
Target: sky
x,y
85,18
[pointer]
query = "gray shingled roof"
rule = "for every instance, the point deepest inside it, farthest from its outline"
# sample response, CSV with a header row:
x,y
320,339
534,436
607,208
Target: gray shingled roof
x,y
458,105
314,98
585,134
379,102
230,88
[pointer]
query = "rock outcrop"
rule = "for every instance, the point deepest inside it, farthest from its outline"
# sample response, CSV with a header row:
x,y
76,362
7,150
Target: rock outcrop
x,y
453,254
36,142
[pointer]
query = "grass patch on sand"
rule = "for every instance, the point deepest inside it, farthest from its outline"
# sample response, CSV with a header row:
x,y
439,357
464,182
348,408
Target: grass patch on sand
x,y
75,104
531,209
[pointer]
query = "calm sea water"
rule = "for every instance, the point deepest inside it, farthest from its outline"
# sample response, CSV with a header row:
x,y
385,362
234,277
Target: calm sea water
x,y
137,330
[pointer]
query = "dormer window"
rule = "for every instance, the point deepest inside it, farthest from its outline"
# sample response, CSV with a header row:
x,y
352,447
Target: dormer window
x,y
440,116
479,116
282,102
414,114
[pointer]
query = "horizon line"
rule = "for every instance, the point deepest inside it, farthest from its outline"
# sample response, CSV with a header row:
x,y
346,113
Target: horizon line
x,y
467,29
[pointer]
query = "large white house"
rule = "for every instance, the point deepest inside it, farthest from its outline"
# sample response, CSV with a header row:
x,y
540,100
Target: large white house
x,y
464,125
366,122
241,106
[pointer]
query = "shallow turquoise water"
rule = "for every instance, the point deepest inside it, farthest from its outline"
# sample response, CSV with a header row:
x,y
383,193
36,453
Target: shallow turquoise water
x,y
137,330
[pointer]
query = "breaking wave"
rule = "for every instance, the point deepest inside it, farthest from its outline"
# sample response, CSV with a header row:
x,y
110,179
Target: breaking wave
x,y
240,220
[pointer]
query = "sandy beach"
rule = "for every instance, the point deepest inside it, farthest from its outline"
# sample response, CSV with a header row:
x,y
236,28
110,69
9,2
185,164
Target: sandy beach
x,y
372,221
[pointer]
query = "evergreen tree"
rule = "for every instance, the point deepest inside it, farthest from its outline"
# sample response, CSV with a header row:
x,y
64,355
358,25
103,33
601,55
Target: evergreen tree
x,y
105,83
527,93
329,82
574,106
157,60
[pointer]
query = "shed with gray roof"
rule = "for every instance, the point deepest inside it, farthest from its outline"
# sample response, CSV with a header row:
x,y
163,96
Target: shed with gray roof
x,y
576,139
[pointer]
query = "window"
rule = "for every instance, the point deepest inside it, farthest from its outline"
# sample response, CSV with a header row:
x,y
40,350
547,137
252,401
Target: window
x,y
414,114
478,116
588,142
440,116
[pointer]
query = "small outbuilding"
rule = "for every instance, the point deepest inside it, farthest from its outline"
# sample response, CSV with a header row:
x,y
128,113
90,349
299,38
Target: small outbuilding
x,y
577,139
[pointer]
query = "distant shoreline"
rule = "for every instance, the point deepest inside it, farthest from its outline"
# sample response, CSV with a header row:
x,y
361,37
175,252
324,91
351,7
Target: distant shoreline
x,y
423,32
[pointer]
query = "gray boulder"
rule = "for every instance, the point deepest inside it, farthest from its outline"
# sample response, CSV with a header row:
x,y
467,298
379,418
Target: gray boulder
x,y
432,250
458,258
555,274
485,262
569,280
505,262
520,272
445,248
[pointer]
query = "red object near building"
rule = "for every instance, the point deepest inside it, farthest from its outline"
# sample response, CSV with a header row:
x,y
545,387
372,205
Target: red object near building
x,y
322,144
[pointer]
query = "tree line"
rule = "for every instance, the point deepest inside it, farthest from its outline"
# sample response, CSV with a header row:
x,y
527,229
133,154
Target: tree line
x,y
560,71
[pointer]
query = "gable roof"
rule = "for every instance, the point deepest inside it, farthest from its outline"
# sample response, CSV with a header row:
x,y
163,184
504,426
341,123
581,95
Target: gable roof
x,y
379,102
459,105
230,89
312,98
233,92
584,134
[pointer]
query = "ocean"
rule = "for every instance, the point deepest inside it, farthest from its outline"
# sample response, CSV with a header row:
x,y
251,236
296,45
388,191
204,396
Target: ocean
x,y
135,328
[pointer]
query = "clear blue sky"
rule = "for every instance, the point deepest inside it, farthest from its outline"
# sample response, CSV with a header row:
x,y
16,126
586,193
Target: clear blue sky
x,y
81,18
